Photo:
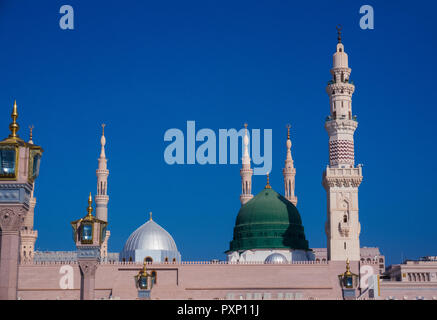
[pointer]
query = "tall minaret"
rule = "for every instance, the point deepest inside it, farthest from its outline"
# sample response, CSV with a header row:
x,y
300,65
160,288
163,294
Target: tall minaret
x,y
246,172
341,178
289,172
102,197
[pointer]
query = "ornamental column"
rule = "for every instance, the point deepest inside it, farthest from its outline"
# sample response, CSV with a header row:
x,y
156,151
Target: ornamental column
x,y
341,177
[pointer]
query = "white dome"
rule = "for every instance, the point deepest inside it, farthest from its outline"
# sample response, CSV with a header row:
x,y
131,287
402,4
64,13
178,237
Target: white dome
x,y
275,258
150,236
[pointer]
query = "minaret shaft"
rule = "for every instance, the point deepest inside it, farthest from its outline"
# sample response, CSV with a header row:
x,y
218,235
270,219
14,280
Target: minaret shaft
x,y
341,178
246,172
102,197
289,173
102,173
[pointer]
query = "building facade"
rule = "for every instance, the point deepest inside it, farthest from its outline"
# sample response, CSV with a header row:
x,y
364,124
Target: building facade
x,y
269,256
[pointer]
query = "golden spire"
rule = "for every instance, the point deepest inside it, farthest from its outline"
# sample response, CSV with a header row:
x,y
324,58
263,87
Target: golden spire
x,y
14,127
103,129
245,125
348,267
150,214
144,271
339,33
288,131
268,182
90,208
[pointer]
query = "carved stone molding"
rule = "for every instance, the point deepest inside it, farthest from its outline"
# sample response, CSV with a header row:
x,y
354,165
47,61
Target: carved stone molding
x,y
12,218
88,268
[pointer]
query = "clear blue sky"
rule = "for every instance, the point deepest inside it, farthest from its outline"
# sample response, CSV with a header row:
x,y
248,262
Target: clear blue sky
x,y
143,67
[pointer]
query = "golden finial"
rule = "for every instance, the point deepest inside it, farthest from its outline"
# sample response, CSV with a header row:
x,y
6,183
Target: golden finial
x,y
268,182
14,127
144,271
288,131
150,214
348,267
30,133
90,207
245,126
103,129
339,33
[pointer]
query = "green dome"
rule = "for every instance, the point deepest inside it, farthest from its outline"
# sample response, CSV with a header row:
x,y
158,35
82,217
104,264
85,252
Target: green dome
x,y
268,221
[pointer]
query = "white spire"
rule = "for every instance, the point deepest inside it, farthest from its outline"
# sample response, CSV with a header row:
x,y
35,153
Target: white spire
x,y
246,157
103,142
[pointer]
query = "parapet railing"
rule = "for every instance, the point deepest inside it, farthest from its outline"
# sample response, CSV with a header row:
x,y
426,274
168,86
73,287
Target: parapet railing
x,y
133,263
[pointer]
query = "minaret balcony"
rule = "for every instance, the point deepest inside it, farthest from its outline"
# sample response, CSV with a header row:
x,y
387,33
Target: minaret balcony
x,y
342,177
339,87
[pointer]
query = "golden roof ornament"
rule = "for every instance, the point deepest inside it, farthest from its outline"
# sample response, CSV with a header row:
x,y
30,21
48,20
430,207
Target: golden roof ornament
x,y
14,127
150,215
31,133
143,272
89,216
348,268
288,131
339,28
268,182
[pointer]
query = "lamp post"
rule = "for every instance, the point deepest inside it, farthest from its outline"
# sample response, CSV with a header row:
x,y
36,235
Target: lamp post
x,y
144,283
348,283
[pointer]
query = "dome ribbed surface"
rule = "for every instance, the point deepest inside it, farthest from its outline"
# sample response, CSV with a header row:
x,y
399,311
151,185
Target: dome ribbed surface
x,y
268,221
150,236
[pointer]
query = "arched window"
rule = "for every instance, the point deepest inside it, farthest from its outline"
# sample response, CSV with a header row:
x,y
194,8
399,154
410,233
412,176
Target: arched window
x,y
124,260
174,260
345,218
166,260
149,260
130,259
345,246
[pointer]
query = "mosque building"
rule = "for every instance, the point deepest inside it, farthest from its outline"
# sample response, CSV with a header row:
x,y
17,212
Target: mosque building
x,y
269,256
